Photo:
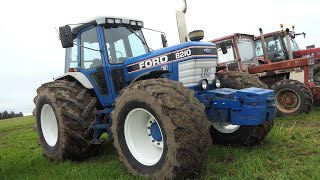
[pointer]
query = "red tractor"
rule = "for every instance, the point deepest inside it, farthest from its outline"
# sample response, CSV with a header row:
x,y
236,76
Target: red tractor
x,y
291,77
277,48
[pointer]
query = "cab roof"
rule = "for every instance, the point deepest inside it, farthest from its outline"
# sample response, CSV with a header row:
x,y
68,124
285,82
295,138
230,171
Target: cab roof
x,y
102,20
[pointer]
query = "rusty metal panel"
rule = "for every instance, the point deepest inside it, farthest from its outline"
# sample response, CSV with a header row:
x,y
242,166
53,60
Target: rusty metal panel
x,y
279,65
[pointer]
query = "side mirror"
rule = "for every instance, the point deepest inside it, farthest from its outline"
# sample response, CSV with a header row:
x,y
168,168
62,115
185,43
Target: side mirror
x,y
223,47
164,40
66,36
275,36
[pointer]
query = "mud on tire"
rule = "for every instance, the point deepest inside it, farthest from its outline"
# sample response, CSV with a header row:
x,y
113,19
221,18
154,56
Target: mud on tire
x,y
74,112
239,80
244,135
182,121
295,90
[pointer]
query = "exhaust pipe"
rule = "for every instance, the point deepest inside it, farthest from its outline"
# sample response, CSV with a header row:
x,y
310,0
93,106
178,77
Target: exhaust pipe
x,y
181,22
263,43
288,40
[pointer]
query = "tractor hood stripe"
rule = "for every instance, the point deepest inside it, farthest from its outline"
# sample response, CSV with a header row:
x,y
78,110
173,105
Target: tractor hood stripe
x,y
179,55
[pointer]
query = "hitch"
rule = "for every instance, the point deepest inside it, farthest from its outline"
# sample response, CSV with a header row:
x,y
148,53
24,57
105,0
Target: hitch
x,y
102,124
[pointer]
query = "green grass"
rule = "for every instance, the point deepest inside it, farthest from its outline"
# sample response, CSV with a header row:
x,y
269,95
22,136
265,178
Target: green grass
x,y
291,151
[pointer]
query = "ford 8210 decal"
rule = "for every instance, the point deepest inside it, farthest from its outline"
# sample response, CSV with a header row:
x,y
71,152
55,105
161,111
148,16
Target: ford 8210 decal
x,y
176,55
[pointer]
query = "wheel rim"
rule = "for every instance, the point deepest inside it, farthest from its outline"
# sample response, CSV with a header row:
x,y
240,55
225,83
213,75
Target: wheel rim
x,y
143,136
225,127
288,101
49,125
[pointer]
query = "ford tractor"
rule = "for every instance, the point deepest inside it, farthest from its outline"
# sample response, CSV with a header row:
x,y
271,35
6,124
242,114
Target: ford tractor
x,y
292,79
159,106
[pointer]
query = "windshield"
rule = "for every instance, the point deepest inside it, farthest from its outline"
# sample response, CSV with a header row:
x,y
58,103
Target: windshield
x,y
246,51
294,45
274,49
123,43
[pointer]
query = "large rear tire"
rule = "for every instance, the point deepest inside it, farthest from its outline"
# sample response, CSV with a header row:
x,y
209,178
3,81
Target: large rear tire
x,y
160,129
228,134
64,114
316,74
292,97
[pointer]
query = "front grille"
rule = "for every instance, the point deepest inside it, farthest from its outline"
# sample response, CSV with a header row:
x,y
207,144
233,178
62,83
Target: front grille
x,y
190,72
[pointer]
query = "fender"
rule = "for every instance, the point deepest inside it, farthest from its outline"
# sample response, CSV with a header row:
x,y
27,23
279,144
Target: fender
x,y
81,78
149,75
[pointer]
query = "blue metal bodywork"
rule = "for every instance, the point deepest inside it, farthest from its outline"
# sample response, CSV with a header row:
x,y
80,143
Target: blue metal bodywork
x,y
251,106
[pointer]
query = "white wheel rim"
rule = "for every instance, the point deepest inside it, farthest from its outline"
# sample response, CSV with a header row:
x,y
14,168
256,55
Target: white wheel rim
x,y
49,125
224,127
144,143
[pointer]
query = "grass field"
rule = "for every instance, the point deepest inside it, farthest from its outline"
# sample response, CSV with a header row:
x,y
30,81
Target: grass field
x,y
291,151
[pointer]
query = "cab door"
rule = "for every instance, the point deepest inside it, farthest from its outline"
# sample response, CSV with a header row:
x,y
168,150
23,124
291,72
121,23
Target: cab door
x,y
91,64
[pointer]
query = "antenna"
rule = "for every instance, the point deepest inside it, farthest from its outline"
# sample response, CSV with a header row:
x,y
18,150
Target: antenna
x,y
58,33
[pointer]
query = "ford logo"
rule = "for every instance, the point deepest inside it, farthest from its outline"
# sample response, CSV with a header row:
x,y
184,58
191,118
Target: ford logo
x,y
207,51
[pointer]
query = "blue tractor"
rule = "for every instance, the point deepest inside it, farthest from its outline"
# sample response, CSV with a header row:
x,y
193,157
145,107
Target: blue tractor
x,y
159,106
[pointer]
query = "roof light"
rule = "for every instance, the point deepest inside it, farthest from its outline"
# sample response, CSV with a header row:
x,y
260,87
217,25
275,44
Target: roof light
x,y
110,21
133,23
117,21
139,23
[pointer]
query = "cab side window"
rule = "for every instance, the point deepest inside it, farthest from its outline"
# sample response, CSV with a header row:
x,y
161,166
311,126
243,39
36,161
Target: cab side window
x,y
71,57
90,54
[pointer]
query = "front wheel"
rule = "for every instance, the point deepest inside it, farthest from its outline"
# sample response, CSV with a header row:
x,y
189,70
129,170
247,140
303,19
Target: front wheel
x,y
292,97
160,129
229,134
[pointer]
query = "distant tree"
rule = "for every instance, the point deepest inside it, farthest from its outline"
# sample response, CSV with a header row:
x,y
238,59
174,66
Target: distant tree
x,y
20,114
12,114
5,115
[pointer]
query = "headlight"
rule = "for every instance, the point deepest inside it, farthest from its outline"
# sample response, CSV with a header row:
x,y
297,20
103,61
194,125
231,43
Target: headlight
x,y
203,84
216,83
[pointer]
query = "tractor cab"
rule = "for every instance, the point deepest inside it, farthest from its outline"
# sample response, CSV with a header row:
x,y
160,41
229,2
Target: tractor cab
x,y
98,48
118,39
276,45
236,51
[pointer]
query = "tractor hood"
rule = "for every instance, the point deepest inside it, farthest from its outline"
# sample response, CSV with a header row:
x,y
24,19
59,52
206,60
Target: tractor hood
x,y
163,59
312,51
167,50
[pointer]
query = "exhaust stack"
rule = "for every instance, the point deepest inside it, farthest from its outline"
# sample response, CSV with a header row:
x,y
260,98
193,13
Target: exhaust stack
x,y
288,40
181,22
263,46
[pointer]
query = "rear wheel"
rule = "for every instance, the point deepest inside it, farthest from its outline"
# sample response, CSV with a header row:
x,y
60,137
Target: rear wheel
x,y
316,75
292,97
64,114
229,134
160,129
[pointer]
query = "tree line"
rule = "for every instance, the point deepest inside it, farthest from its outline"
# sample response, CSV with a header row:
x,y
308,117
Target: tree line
x,y
7,115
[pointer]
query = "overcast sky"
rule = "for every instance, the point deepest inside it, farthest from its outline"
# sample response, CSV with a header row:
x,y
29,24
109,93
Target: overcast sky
x,y
30,53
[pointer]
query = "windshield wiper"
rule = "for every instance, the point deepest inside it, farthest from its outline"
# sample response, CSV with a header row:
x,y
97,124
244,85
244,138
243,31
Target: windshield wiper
x,y
143,42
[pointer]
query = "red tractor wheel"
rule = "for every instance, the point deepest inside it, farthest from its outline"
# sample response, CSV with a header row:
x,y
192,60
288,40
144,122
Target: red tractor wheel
x,y
292,97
